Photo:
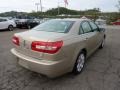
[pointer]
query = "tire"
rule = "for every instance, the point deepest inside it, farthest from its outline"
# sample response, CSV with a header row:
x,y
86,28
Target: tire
x,y
80,62
10,27
102,44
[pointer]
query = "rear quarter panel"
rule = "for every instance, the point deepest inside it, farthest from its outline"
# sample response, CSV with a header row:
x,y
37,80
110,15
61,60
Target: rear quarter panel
x,y
11,22
72,48
72,45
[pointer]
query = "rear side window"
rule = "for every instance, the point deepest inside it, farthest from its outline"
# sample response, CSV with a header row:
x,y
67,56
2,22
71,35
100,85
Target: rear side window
x,y
93,26
86,27
81,30
0,20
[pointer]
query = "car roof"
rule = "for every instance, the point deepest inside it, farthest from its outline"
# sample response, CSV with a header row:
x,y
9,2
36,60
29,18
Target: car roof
x,y
3,18
74,19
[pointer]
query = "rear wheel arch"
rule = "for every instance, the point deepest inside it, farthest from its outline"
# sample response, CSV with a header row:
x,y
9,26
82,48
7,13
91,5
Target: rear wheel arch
x,y
10,27
82,51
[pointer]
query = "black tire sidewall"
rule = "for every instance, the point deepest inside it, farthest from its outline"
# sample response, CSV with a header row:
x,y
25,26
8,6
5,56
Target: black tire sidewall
x,y
75,70
10,26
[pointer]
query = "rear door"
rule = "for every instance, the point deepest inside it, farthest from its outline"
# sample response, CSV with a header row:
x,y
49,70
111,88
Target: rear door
x,y
89,36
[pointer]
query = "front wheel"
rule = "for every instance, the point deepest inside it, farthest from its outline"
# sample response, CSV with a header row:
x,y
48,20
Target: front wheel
x,y
10,27
80,62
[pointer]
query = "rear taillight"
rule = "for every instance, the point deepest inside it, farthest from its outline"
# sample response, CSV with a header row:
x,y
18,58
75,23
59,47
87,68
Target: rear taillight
x,y
15,40
46,47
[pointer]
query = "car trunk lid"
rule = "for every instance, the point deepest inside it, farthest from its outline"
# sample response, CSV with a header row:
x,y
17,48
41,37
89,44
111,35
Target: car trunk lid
x,y
26,39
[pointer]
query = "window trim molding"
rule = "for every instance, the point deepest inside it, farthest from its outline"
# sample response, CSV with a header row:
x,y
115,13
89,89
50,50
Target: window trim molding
x,y
92,28
82,27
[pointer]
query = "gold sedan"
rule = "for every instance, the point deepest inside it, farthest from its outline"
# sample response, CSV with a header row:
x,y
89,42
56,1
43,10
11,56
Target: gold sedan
x,y
58,46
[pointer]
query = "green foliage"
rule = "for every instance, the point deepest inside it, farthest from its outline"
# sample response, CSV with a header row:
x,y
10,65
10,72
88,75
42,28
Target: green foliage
x,y
54,12
66,13
111,17
12,14
62,10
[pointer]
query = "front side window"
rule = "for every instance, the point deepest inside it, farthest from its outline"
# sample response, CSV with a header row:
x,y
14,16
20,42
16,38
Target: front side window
x,y
86,27
60,26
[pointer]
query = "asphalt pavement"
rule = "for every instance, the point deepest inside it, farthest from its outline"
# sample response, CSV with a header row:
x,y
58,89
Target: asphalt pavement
x,y
102,71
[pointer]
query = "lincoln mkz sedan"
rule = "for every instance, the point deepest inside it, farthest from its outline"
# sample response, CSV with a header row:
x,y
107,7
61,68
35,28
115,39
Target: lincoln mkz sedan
x,y
58,46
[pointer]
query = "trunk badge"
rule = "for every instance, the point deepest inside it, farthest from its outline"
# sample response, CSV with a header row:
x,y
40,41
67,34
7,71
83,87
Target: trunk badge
x,y
25,44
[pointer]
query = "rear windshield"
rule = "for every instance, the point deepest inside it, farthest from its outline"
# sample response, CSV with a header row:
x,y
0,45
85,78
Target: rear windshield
x,y
60,26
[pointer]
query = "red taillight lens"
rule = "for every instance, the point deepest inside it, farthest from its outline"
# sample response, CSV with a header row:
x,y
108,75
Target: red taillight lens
x,y
46,47
15,40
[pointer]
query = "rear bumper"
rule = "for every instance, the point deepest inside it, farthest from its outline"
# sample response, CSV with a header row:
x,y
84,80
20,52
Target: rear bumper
x,y
48,68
